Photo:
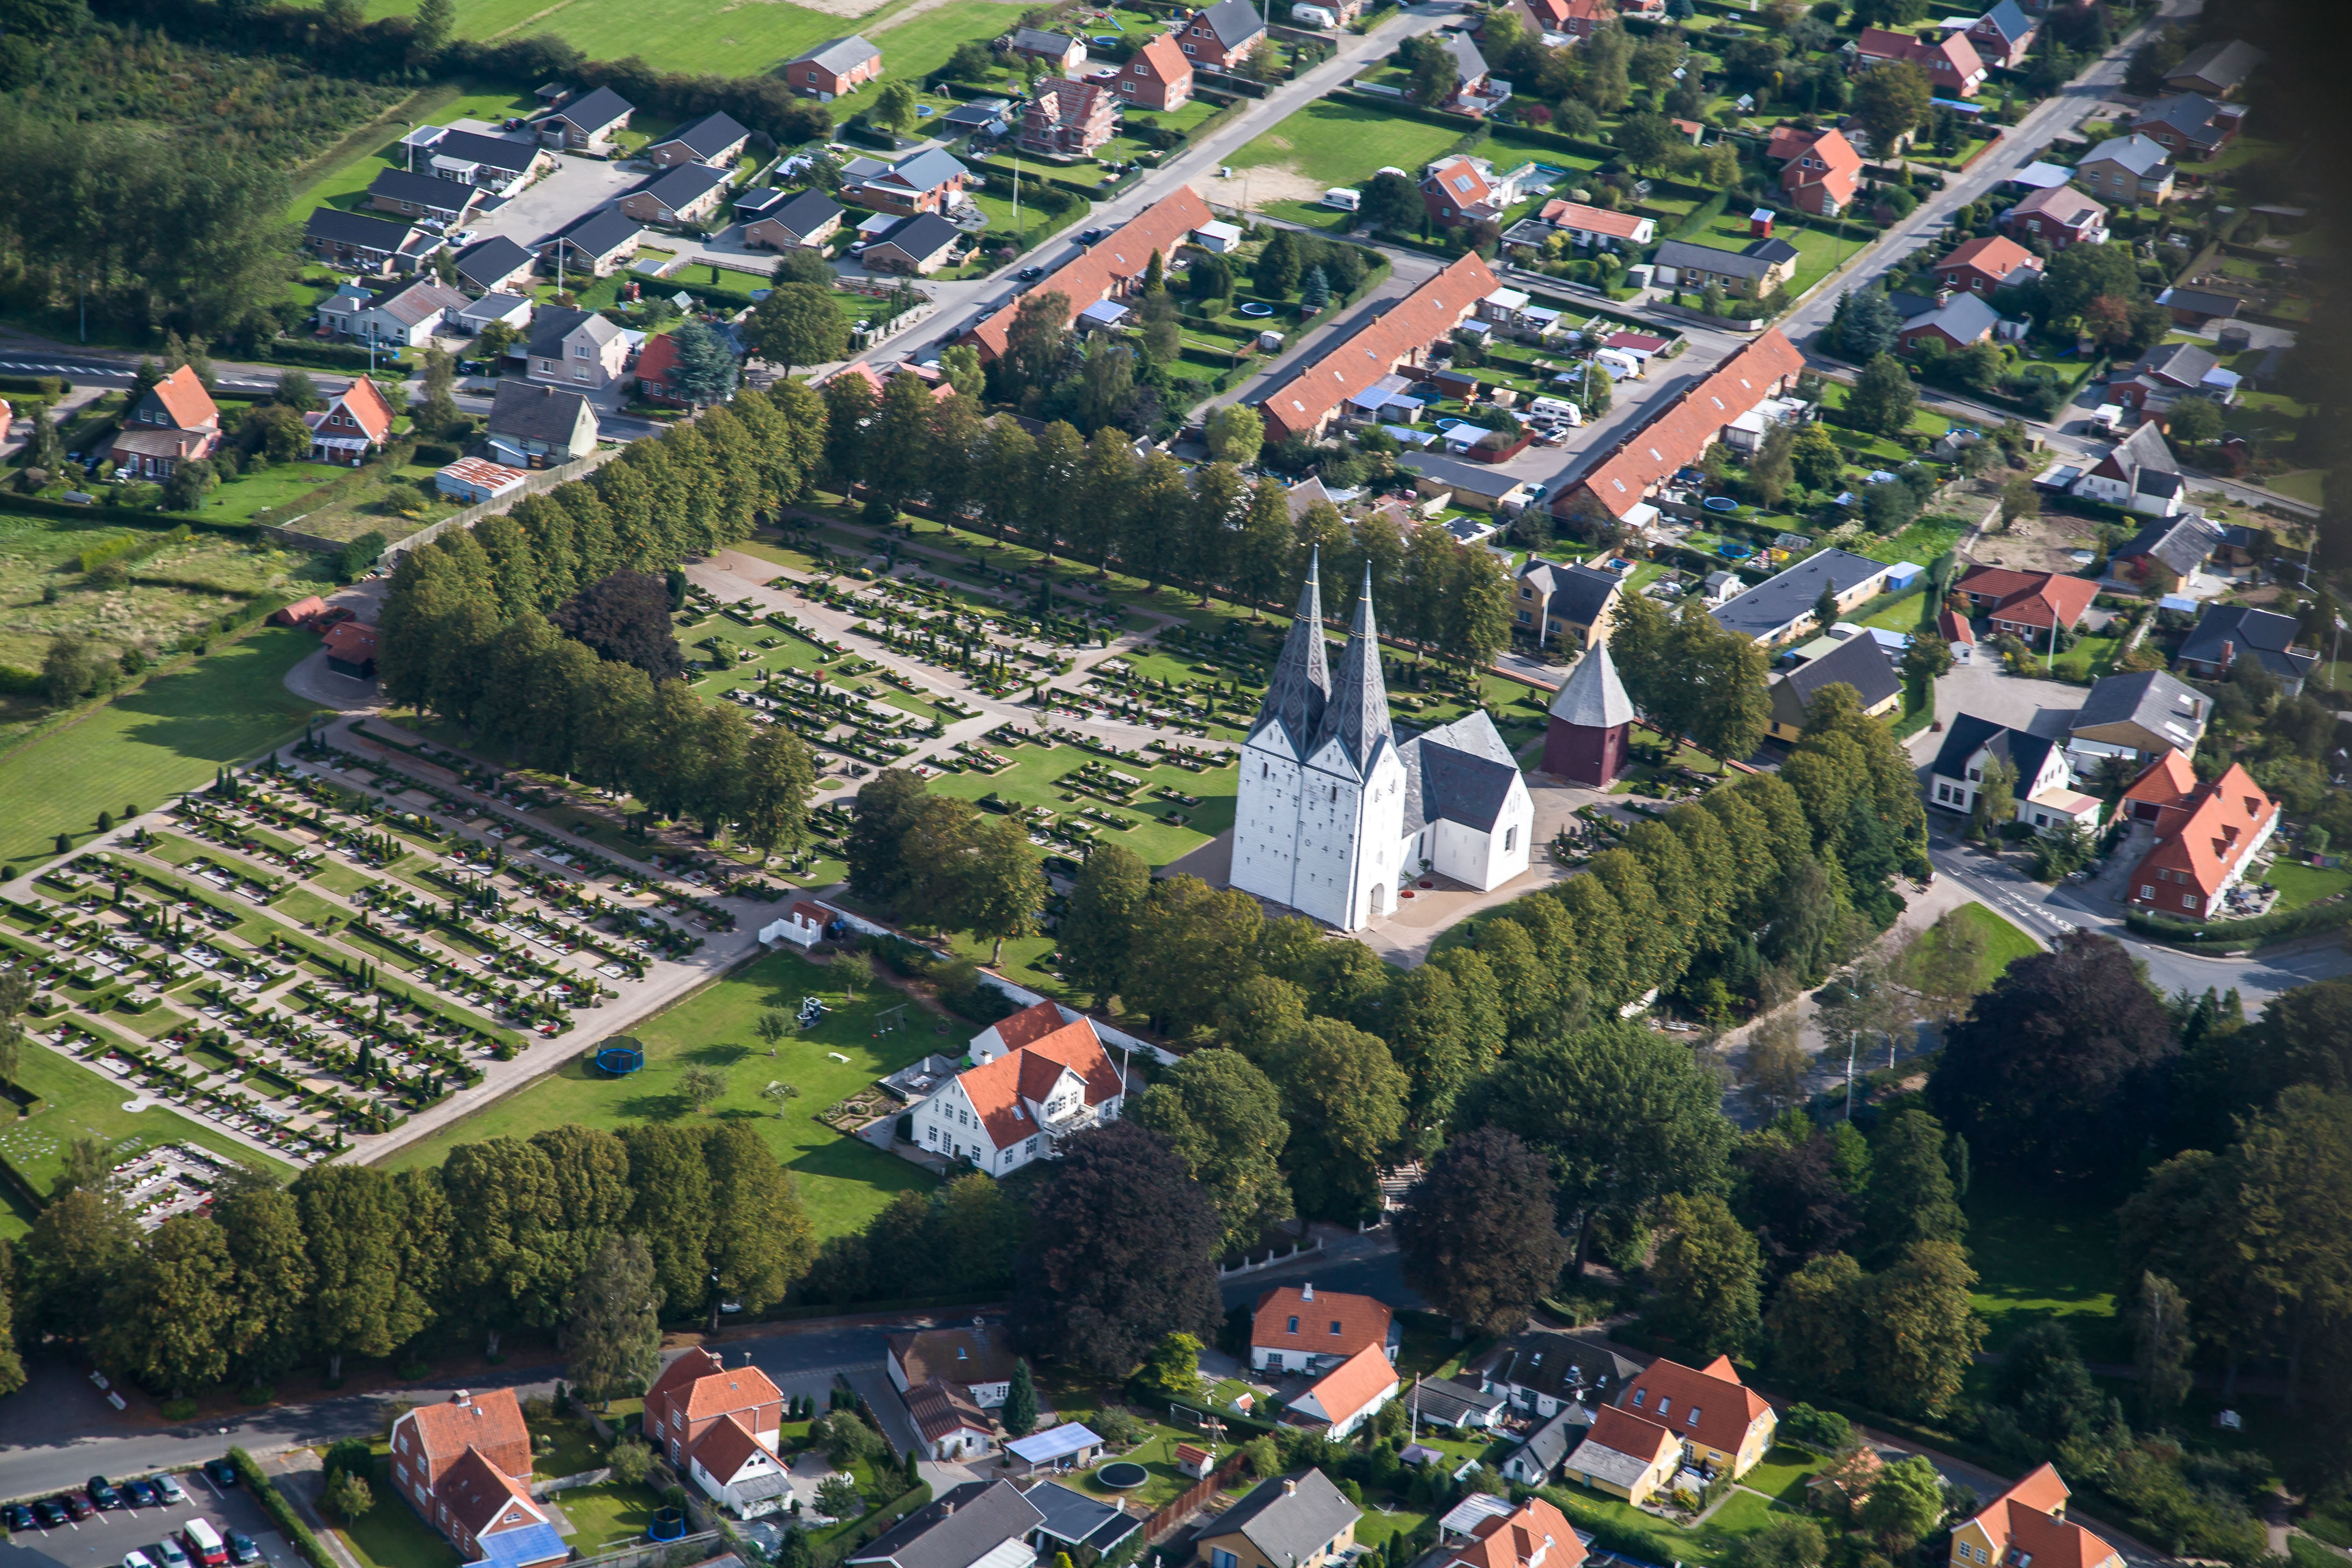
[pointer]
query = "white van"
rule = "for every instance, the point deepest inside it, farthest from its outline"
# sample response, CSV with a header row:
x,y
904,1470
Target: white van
x,y
1346,200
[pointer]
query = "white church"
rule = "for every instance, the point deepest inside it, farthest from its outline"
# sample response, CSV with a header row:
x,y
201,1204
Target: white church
x,y
1336,814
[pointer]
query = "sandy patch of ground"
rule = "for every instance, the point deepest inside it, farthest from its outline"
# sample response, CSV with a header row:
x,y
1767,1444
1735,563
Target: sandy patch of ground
x,y
1266,183
860,7
2039,543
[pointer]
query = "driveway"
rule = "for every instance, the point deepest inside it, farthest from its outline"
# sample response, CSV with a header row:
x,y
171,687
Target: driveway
x,y
1987,690
577,187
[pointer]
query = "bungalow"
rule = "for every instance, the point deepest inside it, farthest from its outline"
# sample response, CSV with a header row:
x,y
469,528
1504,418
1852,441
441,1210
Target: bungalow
x,y
977,1360
1068,119
1223,36
2029,1520
2027,604
2059,217
919,245
1821,170
1972,745
472,480
687,193
1953,67
2169,370
538,427
2180,545
500,309
1777,608
1986,266
923,182
2218,69
2129,171
1569,603
1156,76
2144,712
833,68
1402,336
357,422
495,266
175,421
498,163
1625,1455
1297,1520
1294,1330
1057,51
2139,474
580,349
1344,1398
444,202
979,1524
1959,322
2195,307
587,123
2226,634
1591,225
1858,662
2205,835
809,218
1723,1425
2002,36
1476,91
598,244
354,242
1074,1520
1751,272
402,316
2190,125
715,140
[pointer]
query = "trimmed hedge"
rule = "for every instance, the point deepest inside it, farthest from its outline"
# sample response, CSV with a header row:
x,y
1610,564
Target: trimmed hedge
x,y
125,517
2239,934
281,1513
130,547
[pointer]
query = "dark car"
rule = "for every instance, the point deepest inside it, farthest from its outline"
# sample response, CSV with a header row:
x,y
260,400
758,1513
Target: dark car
x,y
103,1493
141,1493
1030,274
220,1472
17,1516
1092,235
241,1549
50,1511
77,1505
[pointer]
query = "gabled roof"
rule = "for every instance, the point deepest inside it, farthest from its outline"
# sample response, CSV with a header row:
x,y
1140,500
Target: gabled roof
x,y
1233,21
2183,543
964,1355
2134,152
1572,590
1794,591
683,185
725,1448
1858,662
551,324
1593,698
600,233
2182,364
1351,1386
481,1497
840,56
490,1421
1964,317
1997,254
2009,19
492,261
1287,1518
1969,735
498,152
997,1089
537,412
1460,183
925,171
2060,203
1684,427
941,1409
1881,43
1462,772
1331,1323
1623,1431
184,398
2268,635
1467,61
922,237
2223,65
2201,301
369,233
1682,253
353,641
1414,322
1535,1535
1709,1406
1026,1028
1165,58
1039,41
366,405
1105,266
418,302
593,111
1563,214
2192,116
2150,698
702,1386
424,190
805,213
2024,1523
1558,1365
706,137
1074,1519
956,1530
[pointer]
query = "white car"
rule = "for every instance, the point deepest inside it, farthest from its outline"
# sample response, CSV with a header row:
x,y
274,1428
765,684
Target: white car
x,y
464,236
137,1560
169,1490
171,1554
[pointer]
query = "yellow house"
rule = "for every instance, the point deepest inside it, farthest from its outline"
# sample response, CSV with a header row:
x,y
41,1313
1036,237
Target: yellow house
x,y
1299,1521
1719,1420
2027,1523
1626,1455
1859,661
1568,607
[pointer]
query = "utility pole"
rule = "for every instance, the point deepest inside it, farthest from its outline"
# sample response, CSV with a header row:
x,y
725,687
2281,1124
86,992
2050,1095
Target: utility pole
x,y
1848,1073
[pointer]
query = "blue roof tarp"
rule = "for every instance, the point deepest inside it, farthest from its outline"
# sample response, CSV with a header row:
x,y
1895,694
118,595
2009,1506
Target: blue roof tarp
x,y
519,1548
1053,1443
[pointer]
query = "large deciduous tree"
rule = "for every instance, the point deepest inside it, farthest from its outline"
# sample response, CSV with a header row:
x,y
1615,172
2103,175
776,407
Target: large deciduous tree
x,y
1477,1234
625,616
1097,928
1223,1117
1705,1272
614,1333
1343,1096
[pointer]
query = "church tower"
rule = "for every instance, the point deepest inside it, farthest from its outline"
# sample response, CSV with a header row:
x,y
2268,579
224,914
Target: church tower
x,y
1319,818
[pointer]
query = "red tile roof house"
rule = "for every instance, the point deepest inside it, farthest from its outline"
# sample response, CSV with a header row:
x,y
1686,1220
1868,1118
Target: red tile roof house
x,y
465,1465
1983,266
1156,76
1723,1424
1110,268
1456,194
654,362
739,1472
1579,19
350,649
828,70
2027,1523
2004,36
1223,36
1534,1535
1067,119
1953,67
2026,604
1294,1330
355,423
952,1378
1039,1078
2059,217
698,1392
1683,431
1820,169
1598,226
1305,404
176,421
1347,1397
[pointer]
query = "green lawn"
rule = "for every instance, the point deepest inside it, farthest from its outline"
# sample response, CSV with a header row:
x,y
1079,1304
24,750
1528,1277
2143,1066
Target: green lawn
x,y
606,1515
1335,144
2042,1253
346,184
2091,658
391,1535
1817,253
2299,884
843,1181
2004,944
1783,1472
1034,780
81,1102
1920,544
1903,615
167,737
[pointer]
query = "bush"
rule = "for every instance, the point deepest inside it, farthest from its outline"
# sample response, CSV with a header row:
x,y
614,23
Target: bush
x,y
631,1461
263,1490
1821,1431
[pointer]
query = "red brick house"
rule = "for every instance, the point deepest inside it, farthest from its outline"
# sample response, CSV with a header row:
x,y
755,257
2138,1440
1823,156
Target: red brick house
x,y
2205,835
1223,36
1953,67
2060,217
355,423
1819,169
833,68
176,421
1983,266
1156,76
697,1390
1456,193
2026,604
465,1465
1067,119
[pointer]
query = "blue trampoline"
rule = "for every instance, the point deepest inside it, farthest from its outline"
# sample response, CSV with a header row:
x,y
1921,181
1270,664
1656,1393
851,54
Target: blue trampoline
x,y
1731,552
669,1524
1720,503
619,1057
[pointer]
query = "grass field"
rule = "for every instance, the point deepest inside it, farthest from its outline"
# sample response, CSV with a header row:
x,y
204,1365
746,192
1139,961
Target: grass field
x,y
2042,1253
83,1103
2299,884
843,1181
1817,252
345,186
1341,144
164,739
2004,944
1034,780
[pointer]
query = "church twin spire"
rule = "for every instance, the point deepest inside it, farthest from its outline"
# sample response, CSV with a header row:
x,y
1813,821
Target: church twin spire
x,y
1313,708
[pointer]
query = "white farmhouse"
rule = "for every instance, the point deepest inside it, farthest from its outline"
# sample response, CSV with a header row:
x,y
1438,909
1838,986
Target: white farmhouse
x,y
1036,1079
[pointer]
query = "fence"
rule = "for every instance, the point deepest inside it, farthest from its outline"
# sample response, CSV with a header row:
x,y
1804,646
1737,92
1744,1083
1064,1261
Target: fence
x,y
565,1483
1173,1513
686,1549
540,481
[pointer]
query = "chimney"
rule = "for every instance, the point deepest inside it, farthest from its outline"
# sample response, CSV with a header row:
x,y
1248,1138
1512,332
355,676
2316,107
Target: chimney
x,y
461,1397
1289,1486
2229,653
1306,1291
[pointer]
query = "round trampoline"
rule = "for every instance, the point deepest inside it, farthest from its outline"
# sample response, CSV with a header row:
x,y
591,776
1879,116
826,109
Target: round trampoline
x,y
1720,503
620,1056
1123,1476
1254,309
1731,552
669,1524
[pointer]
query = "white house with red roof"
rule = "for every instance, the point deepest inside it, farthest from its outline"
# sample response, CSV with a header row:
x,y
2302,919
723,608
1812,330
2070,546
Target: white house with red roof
x,y
1590,226
1036,1077
356,422
1292,1329
737,1471
1347,1397
803,925
2027,1523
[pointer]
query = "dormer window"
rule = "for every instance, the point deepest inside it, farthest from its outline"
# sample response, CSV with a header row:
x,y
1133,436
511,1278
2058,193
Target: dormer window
x,y
1293,1325
1641,1395
1692,1419
1663,1403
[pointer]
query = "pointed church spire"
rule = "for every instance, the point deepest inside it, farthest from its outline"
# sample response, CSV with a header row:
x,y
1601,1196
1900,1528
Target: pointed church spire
x,y
1302,677
1358,713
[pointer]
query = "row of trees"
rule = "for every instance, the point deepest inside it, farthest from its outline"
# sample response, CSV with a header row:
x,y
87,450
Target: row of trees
x,y
353,1260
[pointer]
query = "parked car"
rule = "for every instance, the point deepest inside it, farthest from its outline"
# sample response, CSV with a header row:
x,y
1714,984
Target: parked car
x,y
1093,236
241,1549
77,1506
169,1490
1030,274
137,1560
221,1472
17,1516
205,1543
50,1511
143,1492
103,1493
167,1553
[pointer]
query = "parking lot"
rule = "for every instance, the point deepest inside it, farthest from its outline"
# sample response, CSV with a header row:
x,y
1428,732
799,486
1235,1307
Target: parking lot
x,y
101,1540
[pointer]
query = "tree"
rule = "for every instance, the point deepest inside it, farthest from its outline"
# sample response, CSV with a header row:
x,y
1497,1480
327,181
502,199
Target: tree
x,y
1019,1413
2161,1344
1172,1370
1771,469
1773,1070
802,264
434,22
263,1229
631,1461
613,1336
1098,928
894,110
761,1239
1783,1543
1236,432
1390,202
1647,141
1434,75
780,777
1945,960
1279,266
171,1321
1344,1098
1821,1431
1927,659
1121,1250
797,324
1705,1273
2052,1071
1890,101
1625,1114
2194,420
1864,327
1193,951
1918,1333
1884,399
2042,1379
625,616
348,1497
1907,1499
1477,1237
1001,887
702,1086
1815,1323
1223,1117
1910,1197
706,370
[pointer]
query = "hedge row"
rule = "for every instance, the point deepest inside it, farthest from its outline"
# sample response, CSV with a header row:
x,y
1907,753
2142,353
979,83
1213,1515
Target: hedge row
x,y
281,1513
130,547
38,506
2239,933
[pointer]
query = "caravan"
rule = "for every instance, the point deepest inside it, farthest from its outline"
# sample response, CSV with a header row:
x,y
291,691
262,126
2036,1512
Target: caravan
x,y
1547,408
